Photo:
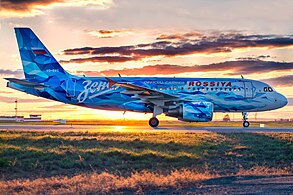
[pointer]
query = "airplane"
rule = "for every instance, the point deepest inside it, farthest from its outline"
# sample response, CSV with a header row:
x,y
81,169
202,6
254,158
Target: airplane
x,y
187,99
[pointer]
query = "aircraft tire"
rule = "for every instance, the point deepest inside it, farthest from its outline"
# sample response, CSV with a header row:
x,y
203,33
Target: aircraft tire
x,y
153,122
245,124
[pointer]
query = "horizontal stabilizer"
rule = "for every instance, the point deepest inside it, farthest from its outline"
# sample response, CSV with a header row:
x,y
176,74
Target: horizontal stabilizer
x,y
25,82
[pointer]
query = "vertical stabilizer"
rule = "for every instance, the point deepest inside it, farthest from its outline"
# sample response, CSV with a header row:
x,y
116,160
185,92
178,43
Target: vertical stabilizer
x,y
38,63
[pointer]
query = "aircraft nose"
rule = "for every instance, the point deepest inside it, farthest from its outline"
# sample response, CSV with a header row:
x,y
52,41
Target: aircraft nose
x,y
281,100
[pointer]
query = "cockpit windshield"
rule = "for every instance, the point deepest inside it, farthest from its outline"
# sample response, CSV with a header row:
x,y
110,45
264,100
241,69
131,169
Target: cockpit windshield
x,y
269,89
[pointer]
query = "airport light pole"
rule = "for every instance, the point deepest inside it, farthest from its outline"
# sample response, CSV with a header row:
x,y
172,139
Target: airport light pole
x,y
15,108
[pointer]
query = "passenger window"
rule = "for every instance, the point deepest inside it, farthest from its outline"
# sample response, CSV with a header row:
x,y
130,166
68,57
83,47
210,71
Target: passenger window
x,y
265,89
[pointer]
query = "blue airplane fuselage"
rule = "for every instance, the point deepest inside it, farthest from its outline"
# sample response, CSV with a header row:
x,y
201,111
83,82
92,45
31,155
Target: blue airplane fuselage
x,y
227,95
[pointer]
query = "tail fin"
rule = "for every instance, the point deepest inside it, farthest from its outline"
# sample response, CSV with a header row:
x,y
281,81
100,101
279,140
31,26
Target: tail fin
x,y
38,63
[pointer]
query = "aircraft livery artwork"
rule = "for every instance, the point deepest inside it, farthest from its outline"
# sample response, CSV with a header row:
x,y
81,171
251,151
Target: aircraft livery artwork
x,y
188,99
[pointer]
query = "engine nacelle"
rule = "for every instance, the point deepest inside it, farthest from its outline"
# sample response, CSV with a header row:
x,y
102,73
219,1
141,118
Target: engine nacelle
x,y
193,112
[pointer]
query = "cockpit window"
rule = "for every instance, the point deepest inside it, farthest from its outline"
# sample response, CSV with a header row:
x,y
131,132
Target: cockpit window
x,y
265,89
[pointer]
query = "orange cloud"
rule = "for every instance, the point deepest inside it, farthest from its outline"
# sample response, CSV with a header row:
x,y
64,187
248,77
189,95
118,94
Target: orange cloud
x,y
234,67
184,36
28,8
108,33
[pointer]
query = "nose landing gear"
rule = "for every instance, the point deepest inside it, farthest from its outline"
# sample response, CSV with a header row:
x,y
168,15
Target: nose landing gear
x,y
245,122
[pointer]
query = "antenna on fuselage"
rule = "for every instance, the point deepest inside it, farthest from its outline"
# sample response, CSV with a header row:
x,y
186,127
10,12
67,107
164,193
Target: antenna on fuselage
x,y
242,76
119,74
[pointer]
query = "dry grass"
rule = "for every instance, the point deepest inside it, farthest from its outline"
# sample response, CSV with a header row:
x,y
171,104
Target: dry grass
x,y
104,183
264,171
137,182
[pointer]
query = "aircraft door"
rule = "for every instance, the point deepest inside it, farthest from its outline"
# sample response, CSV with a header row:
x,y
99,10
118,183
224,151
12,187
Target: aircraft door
x,y
70,87
248,90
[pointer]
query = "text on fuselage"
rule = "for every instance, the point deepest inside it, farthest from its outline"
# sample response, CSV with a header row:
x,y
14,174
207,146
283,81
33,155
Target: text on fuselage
x,y
210,84
90,88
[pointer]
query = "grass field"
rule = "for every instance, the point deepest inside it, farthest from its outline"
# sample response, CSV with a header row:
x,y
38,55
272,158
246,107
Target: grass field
x,y
68,162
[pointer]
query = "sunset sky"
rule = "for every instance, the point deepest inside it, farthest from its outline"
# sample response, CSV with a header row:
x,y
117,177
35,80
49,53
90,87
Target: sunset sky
x,y
196,38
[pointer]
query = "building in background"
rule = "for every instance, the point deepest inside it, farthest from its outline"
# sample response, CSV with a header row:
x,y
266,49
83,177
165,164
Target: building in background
x,y
32,118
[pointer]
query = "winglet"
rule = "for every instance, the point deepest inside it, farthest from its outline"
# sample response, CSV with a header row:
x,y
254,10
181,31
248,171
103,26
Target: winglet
x,y
111,82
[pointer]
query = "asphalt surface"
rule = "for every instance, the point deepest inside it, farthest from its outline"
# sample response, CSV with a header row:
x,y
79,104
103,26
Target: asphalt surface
x,y
105,128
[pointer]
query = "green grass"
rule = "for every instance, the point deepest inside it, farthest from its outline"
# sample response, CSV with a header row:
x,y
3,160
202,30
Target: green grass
x,y
35,154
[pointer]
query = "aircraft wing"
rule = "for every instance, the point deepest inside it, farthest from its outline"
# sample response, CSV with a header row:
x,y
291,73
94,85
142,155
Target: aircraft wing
x,y
145,94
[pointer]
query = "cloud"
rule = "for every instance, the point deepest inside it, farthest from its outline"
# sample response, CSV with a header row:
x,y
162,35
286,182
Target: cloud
x,y
4,72
244,67
108,33
27,8
6,92
179,36
282,81
109,59
6,99
260,57
60,106
185,44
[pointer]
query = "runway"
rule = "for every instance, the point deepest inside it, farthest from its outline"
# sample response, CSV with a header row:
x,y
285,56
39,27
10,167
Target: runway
x,y
112,128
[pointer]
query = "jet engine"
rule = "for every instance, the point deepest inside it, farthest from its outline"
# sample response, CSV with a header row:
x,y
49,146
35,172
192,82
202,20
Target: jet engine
x,y
193,112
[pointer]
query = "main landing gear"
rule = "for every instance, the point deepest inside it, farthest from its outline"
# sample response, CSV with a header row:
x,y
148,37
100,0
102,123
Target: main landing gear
x,y
245,122
154,122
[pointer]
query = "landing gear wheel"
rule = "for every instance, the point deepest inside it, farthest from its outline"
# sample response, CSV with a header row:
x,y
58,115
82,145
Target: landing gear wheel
x,y
153,122
245,124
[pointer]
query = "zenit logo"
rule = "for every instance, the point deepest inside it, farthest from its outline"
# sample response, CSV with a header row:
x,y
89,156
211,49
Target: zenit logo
x,y
210,84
